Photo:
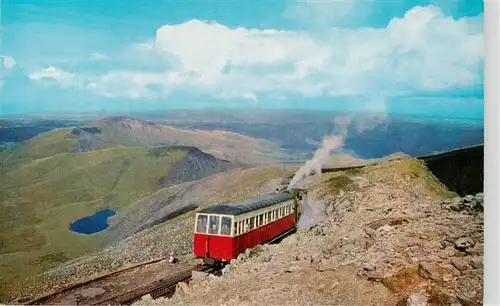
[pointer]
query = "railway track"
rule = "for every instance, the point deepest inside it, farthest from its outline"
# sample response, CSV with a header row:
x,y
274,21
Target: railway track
x,y
163,287
41,299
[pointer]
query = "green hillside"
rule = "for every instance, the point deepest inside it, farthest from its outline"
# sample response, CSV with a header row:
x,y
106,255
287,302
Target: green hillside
x,y
43,145
113,132
41,196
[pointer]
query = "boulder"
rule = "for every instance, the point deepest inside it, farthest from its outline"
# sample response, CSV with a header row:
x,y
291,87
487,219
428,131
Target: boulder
x,y
434,271
464,243
416,299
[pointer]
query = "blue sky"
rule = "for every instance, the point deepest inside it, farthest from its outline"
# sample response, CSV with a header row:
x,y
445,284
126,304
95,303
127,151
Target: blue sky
x,y
423,57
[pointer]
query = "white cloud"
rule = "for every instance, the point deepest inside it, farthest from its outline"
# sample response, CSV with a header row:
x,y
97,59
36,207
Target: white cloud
x,y
422,51
8,62
65,79
97,56
130,84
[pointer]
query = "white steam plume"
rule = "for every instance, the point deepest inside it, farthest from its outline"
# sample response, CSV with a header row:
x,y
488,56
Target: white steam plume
x,y
311,211
321,156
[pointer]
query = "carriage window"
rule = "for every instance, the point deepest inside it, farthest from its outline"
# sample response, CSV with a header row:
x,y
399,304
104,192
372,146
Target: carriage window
x,y
251,223
214,225
201,224
235,228
225,228
269,217
261,219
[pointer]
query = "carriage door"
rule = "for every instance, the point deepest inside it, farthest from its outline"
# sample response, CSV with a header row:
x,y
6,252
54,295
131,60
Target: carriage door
x,y
201,241
213,229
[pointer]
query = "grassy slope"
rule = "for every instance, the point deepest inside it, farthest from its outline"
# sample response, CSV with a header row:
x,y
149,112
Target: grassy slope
x,y
43,145
41,197
416,169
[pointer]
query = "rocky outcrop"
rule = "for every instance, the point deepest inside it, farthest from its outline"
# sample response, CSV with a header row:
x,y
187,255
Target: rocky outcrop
x,y
468,204
195,165
88,139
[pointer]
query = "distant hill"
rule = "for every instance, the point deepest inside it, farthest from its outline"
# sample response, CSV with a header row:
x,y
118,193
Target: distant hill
x,y
16,130
42,197
129,132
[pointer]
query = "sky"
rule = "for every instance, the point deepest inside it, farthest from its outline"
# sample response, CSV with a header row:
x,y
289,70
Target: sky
x,y
393,56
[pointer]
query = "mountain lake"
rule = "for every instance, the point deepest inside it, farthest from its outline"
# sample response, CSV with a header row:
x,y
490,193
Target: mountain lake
x,y
92,224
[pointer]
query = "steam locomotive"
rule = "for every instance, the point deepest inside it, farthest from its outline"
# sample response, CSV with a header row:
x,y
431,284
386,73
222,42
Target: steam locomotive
x,y
224,231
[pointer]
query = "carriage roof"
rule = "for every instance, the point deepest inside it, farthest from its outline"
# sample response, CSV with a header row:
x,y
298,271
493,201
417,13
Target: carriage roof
x,y
241,207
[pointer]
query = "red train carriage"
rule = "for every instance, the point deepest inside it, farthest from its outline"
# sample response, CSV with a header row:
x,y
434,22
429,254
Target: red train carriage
x,y
224,231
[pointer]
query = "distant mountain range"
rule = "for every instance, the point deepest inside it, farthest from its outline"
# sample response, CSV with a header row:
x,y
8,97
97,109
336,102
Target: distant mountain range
x,y
297,133
369,135
122,131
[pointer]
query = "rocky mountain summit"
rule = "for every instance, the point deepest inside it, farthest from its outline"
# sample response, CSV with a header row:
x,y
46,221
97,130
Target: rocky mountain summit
x,y
387,234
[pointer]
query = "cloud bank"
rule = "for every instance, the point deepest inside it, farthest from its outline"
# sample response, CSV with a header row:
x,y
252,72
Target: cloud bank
x,y
424,51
